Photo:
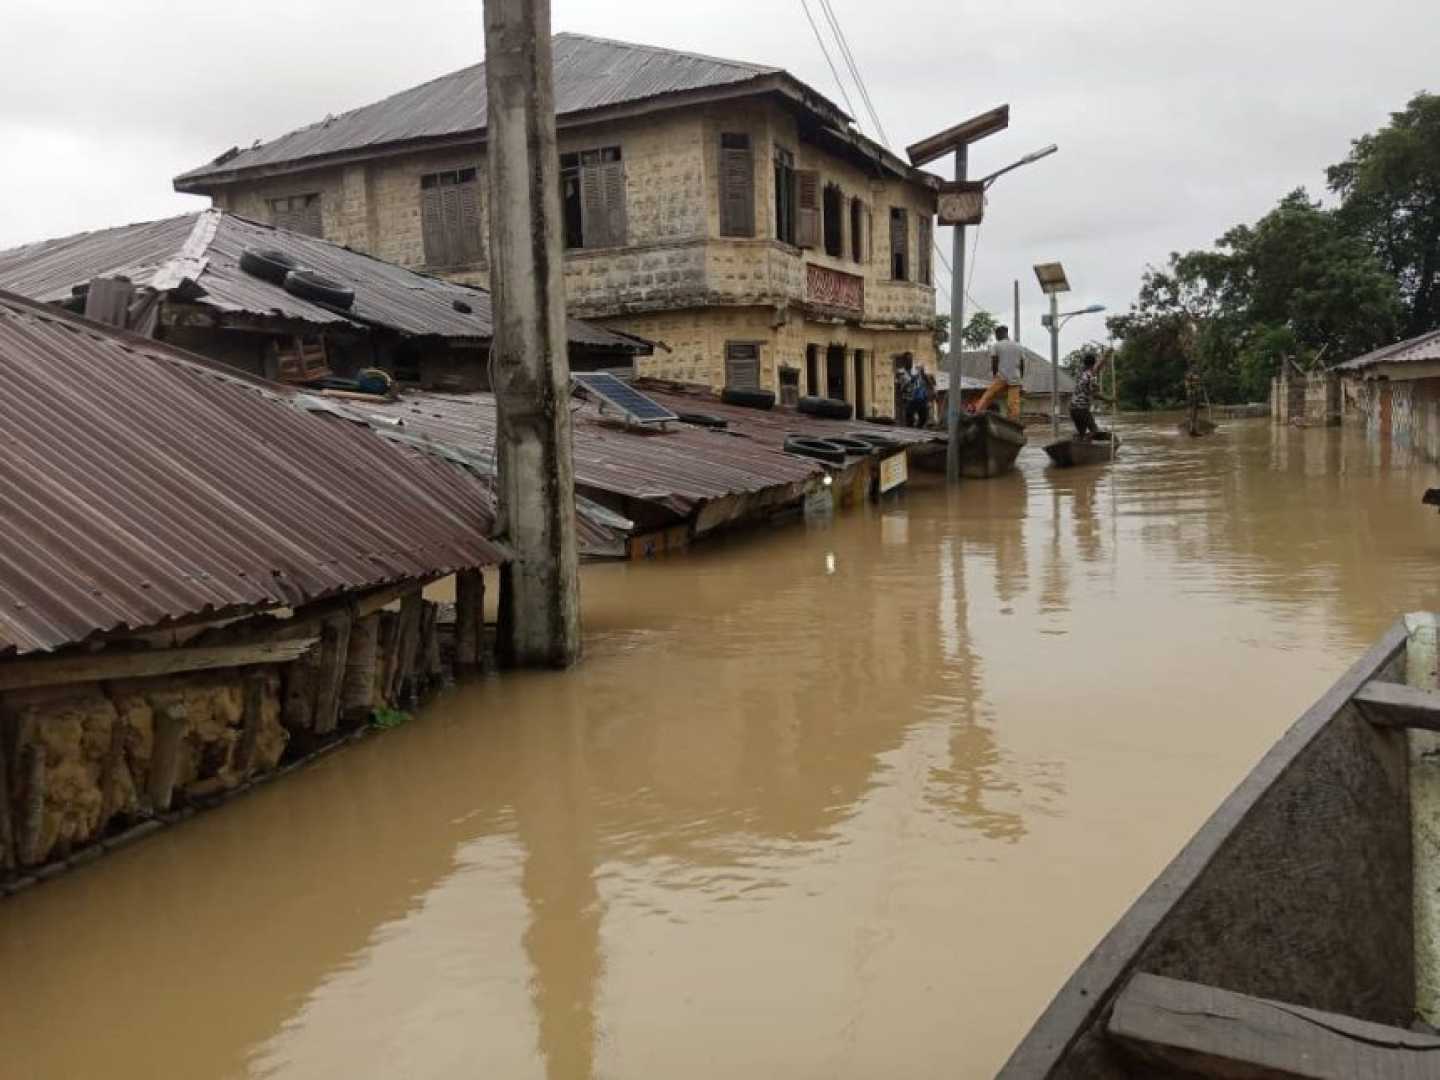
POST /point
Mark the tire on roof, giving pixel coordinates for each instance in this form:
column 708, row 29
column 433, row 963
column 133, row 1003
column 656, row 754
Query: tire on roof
column 828, row 408
column 750, row 399
column 267, row 264
column 309, row 285
column 819, row 449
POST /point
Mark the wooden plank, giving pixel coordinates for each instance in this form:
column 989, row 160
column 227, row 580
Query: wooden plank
column 165, row 754
column 96, row 667
column 1396, row 705
column 110, row 770
column 434, row 666
column 1207, row 1031
column 32, row 819
column 469, row 619
column 250, row 725
column 407, row 637
column 357, row 693
column 334, row 647
column 7, row 826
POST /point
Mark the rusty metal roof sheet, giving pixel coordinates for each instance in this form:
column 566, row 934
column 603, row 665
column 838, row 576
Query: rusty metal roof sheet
column 139, row 485
column 590, row 73
column 1412, row 350
column 679, row 470
column 204, row 248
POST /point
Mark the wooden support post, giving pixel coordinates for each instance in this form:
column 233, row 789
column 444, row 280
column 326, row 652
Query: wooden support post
column 434, row 666
column 250, row 725
column 412, row 607
column 1194, row 1030
column 357, row 694
column 7, row 825
column 469, row 619
column 536, row 473
column 165, row 754
column 32, row 821
column 110, row 771
column 334, row 645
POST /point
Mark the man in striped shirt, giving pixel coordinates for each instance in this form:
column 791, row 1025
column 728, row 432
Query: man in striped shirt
column 1087, row 386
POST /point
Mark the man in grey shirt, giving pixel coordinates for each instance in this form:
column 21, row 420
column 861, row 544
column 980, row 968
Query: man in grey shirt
column 1007, row 367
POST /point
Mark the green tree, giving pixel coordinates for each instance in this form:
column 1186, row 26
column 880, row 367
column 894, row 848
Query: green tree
column 979, row 330
column 942, row 332
column 1390, row 197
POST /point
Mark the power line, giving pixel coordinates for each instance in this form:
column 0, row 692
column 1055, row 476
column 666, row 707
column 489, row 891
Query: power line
column 849, row 58
column 826, row 52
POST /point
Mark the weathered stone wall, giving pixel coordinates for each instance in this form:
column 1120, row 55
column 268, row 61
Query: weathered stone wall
column 691, row 348
column 1401, row 415
column 675, row 257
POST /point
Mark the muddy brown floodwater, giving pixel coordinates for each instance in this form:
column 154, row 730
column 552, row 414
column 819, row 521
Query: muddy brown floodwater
column 844, row 801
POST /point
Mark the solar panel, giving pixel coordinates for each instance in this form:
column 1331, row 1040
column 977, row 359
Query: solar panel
column 622, row 397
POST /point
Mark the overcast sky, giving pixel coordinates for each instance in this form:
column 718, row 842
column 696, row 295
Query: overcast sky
column 1175, row 120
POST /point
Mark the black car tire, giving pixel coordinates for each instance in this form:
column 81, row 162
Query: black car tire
column 750, row 399
column 309, row 285
column 828, row 408
column 268, row 265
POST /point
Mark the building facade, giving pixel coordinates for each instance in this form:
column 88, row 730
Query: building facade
column 1394, row 393
column 724, row 211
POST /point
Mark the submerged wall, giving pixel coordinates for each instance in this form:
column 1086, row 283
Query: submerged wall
column 1402, row 414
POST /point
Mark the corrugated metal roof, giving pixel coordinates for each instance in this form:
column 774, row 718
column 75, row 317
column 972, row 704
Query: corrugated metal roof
column 976, row 364
column 590, row 73
column 139, row 484
column 1410, row 351
column 206, row 248
column 679, row 470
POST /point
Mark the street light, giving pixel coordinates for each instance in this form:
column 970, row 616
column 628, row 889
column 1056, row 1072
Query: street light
column 1053, row 282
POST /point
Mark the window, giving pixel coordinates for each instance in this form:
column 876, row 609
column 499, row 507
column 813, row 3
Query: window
column 899, row 244
column 857, row 230
column 832, row 202
column 742, row 365
column 812, row 370
column 807, row 213
column 789, row 385
column 450, row 218
column 924, row 251
column 298, row 213
column 592, row 189
column 737, row 186
column 784, row 196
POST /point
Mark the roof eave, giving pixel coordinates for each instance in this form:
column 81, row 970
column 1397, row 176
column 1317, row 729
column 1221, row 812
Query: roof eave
column 776, row 82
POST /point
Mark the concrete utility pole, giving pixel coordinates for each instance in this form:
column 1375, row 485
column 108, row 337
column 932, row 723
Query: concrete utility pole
column 540, row 592
column 957, row 327
column 1055, row 365
column 1015, row 325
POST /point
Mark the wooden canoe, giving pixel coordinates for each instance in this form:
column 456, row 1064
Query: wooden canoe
column 989, row 445
column 1280, row 941
column 1068, row 453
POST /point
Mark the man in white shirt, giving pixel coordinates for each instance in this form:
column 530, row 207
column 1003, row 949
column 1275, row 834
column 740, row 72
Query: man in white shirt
column 1007, row 367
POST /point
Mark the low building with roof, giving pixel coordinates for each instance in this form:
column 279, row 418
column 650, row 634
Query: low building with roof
column 194, row 288
column 722, row 209
column 1394, row 392
column 196, row 571
column 1035, row 395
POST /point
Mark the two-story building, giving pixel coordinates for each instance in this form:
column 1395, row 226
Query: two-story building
column 723, row 210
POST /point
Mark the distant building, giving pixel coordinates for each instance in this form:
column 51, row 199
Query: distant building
column 1035, row 396
column 723, row 210
column 1395, row 393
column 423, row 329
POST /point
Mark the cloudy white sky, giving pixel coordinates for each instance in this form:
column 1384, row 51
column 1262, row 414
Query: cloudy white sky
column 1175, row 120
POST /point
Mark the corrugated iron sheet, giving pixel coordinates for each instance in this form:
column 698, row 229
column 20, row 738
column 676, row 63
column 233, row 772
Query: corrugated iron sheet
column 679, row 470
column 590, row 73
column 140, row 485
column 1410, row 351
column 151, row 254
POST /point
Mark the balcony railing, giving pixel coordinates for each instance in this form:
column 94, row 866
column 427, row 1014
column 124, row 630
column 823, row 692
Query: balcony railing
column 833, row 289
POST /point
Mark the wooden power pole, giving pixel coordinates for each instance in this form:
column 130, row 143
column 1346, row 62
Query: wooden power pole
column 539, row 622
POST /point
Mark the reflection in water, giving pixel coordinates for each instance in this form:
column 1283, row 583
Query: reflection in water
column 843, row 801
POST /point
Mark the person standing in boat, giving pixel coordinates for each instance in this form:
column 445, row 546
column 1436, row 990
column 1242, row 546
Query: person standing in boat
column 1087, row 386
column 917, row 399
column 1007, row 371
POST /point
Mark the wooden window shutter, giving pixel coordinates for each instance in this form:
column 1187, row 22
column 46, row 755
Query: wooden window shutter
column 614, row 181
column 925, row 250
column 899, row 245
column 807, row 218
column 469, row 246
column 432, row 222
column 742, row 365
column 595, row 222
column 737, row 192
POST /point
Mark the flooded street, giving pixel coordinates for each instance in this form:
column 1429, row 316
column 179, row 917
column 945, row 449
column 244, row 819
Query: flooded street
column 823, row 801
